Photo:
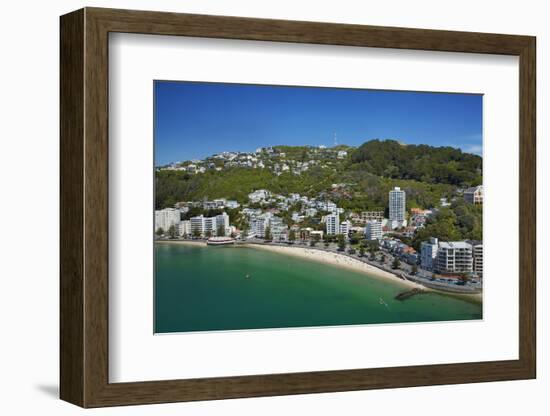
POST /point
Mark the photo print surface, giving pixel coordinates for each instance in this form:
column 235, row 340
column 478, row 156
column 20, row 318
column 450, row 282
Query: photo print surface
column 289, row 206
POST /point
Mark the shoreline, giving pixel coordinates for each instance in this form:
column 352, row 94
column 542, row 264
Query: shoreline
column 201, row 243
column 338, row 260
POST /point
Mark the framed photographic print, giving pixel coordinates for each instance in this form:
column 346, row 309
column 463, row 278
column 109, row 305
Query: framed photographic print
column 260, row 207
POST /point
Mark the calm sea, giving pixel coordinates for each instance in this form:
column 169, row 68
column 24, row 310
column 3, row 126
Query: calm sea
column 227, row 288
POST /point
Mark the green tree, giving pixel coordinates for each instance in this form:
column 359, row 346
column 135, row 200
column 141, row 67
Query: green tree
column 292, row 236
column 172, row 231
column 220, row 232
column 208, row 234
column 396, row 264
column 354, row 238
column 361, row 251
column 341, row 242
column 160, row 231
column 196, row 233
column 414, row 269
column 267, row 234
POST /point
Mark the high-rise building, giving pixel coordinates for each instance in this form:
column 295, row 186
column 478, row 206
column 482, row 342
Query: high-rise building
column 397, row 202
column 454, row 257
column 373, row 230
column 428, row 253
column 167, row 217
column 332, row 224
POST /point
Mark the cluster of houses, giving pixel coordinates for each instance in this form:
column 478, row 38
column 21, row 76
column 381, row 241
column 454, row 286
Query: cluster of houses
column 262, row 216
column 263, row 158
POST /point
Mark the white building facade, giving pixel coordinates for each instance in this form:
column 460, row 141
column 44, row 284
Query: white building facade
column 373, row 230
column 209, row 226
column 397, row 203
column 332, row 224
column 345, row 227
column 428, row 254
column 454, row 257
column 257, row 227
column 477, row 250
column 184, row 228
column 167, row 217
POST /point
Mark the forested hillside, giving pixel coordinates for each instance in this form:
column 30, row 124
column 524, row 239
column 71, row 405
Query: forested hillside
column 423, row 163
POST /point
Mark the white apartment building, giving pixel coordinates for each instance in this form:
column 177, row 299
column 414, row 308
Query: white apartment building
column 257, row 227
column 167, row 217
column 373, row 230
column 332, row 224
column 345, row 227
column 197, row 225
column 184, row 228
column 397, row 202
column 477, row 250
column 474, row 195
column 428, row 253
column 454, row 257
column 222, row 221
column 278, row 229
column 209, row 225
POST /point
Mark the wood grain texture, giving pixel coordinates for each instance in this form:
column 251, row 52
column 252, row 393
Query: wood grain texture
column 84, row 207
column 71, row 208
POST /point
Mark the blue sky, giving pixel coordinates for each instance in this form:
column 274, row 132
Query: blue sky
column 194, row 120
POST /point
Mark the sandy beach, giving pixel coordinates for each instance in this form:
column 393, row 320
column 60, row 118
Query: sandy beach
column 339, row 260
column 184, row 242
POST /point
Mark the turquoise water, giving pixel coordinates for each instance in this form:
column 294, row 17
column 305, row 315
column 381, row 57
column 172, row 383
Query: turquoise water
column 206, row 288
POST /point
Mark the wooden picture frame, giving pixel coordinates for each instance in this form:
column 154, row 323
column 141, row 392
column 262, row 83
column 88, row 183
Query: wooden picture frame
column 84, row 207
